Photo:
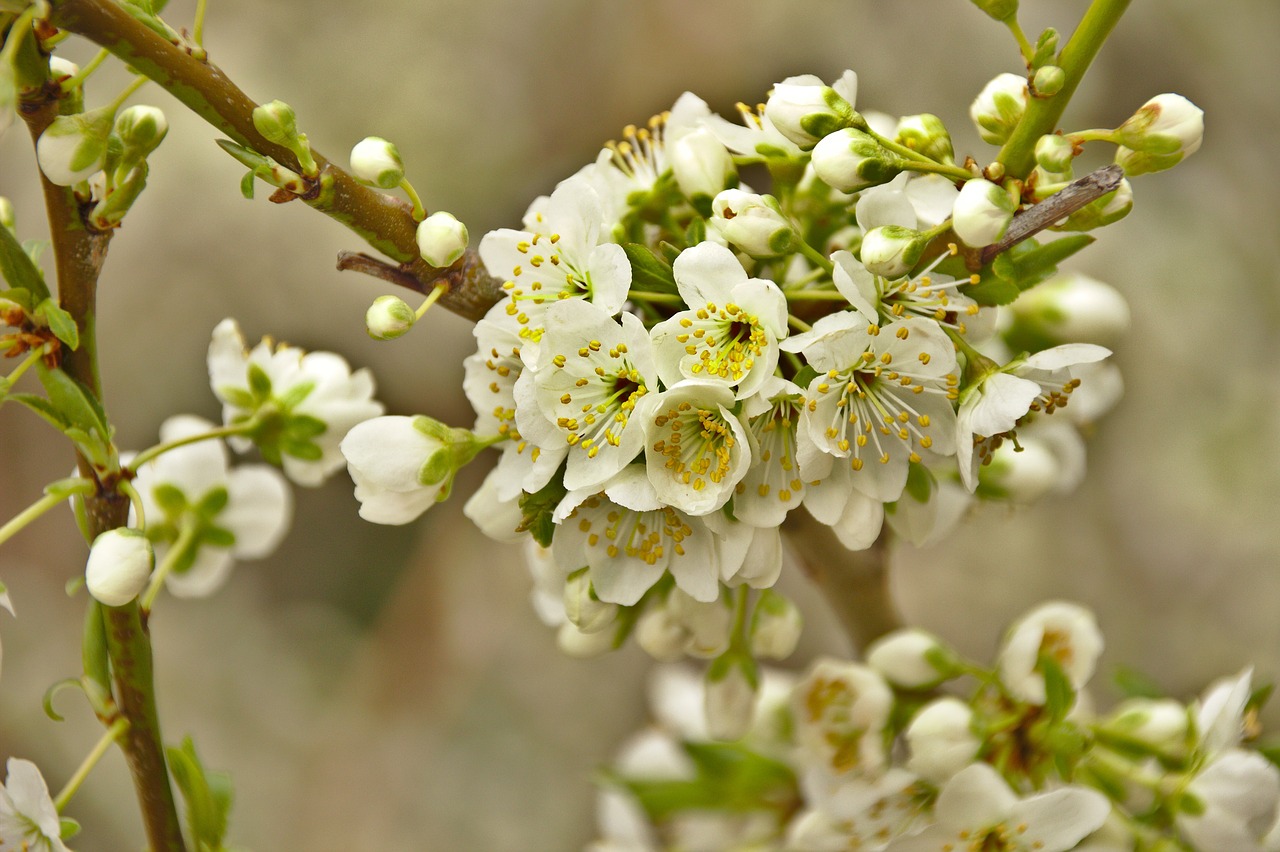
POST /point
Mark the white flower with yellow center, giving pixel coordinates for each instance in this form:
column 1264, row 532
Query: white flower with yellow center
column 772, row 486
column 695, row 447
column 1064, row 632
column 731, row 331
column 1000, row 402
column 629, row 538
column 590, row 374
column 841, row 710
column 926, row 296
column 565, row 254
column 631, row 167
column 882, row 397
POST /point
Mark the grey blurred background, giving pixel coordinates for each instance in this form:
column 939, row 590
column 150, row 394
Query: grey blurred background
column 378, row 688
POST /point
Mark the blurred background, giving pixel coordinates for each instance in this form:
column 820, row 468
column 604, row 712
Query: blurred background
column 390, row 688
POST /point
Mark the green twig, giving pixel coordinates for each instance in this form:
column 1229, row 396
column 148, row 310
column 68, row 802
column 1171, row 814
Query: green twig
column 111, row 735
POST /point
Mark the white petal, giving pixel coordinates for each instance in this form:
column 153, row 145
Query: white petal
column 859, row 525
column 707, row 273
column 206, row 575
column 1000, row 400
column 1058, row 820
column 1066, row 355
column 258, row 511
column 976, row 797
column 388, row 451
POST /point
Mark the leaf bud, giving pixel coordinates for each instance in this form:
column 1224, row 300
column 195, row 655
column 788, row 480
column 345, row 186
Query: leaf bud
column 119, row 566
column 892, row 251
column 804, row 109
column 72, row 147
column 1048, row 80
column 730, row 696
column 388, row 318
column 775, row 626
column 702, row 166
column 912, row 659
column 926, row 134
column 442, row 239
column 581, row 606
column 999, row 107
column 277, row 123
column 941, row 740
column 851, row 159
column 1054, row 153
column 753, row 223
column 982, row 213
column 376, row 162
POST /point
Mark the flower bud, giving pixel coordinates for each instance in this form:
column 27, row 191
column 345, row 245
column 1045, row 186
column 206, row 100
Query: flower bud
column 804, row 109
column 581, row 606
column 277, row 123
column 661, row 634
column 1054, row 153
column 1074, row 308
column 141, row 129
column 442, row 239
column 119, row 566
column 982, row 213
column 702, row 166
column 941, row 740
column 1167, row 125
column 573, row 642
column 850, row 160
column 376, row 162
column 753, row 223
column 707, row 625
column 1163, row 724
column 912, row 659
column 998, row 10
column 775, row 626
column 1112, row 207
column 1020, row 474
column 7, row 218
column 999, row 107
column 73, row 146
column 1048, row 80
column 388, row 318
column 927, row 134
column 60, row 69
column 892, row 251
column 730, row 696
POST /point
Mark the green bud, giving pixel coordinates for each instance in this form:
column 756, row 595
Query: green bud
column 926, row 134
column 1110, row 208
column 999, row 10
column 388, row 318
column 277, row 123
column 110, row 212
column 1054, row 153
column 7, row 217
column 999, row 107
column 892, row 251
column 1048, row 80
column 141, row 130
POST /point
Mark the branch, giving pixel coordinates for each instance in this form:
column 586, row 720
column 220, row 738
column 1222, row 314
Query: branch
column 383, row 222
column 855, row 583
column 1074, row 196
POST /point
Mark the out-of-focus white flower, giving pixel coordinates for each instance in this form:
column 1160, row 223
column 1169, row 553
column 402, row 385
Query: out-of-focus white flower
column 1074, row 308
column 28, row 818
column 303, row 402
column 755, row 137
column 1219, row 714
column 976, row 804
column 226, row 513
column 805, row 109
column 442, row 239
column 1232, row 803
column 119, row 566
column 1162, row 724
column 911, row 658
column 999, row 107
column 775, row 626
column 982, row 212
column 941, row 740
column 841, row 710
column 859, row 813
column 752, row 223
column 584, row 610
column 1063, row 631
column 731, row 687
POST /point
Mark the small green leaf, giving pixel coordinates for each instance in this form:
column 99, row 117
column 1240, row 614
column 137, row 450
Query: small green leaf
column 207, row 795
column 213, row 502
column 259, row 382
column 247, row 184
column 538, row 508
column 304, row 427
column 42, row 407
column 18, row 269
column 648, row 271
column 60, row 323
column 93, row 646
column 67, row 827
column 19, row 297
column 74, row 400
column 305, row 450
column 1059, row 696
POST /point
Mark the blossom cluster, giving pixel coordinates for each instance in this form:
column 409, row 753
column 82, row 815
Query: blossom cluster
column 891, row 754
column 678, row 361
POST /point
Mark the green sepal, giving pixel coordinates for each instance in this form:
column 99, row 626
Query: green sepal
column 805, row 376
column 238, row 397
column 247, row 184
column 538, row 508
column 697, row 230
column 19, row 270
column 296, row 394
column 919, row 482
column 213, row 502
column 60, row 322
column 1058, row 694
column 170, row 498
column 301, row 449
column 1046, row 47
column 649, row 272
column 730, row 778
column 208, row 796
column 93, row 646
column 304, row 427
column 215, row 536
column 1259, row 697
column 67, row 827
column 259, row 382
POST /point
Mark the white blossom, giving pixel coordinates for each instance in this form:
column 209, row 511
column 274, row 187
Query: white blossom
column 841, row 710
column 941, row 740
column 772, row 486
column 402, row 466
column 911, row 658
column 28, row 818
column 753, row 223
column 1237, row 798
column 805, row 109
column 1065, row 632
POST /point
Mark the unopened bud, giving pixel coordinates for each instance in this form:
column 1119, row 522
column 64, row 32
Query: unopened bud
column 1112, row 207
column 753, row 223
column 72, row 146
column 119, row 566
column 941, row 740
column 1163, row 724
column 60, row 69
column 927, row 134
column 388, row 318
column 775, row 626
column 912, row 659
column 999, row 10
column 805, row 109
column 141, row 129
column 7, row 217
column 730, row 696
column 1048, row 80
column 892, row 251
column 1021, row 474
column 442, row 239
column 277, row 123
column 1055, row 153
column 708, row 625
column 850, row 160
column 1165, row 126
column 999, row 107
column 376, row 162
column 982, row 213
column 1074, row 308
column 581, row 606
column 661, row 634
column 702, row 166
column 574, row 643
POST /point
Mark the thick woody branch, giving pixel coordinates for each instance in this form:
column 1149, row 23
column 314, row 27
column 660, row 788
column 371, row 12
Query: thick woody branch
column 383, row 222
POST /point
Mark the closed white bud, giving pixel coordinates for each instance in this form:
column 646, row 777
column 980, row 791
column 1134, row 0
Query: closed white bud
column 999, row 107
column 1054, row 153
column 376, row 162
column 60, row 69
column 574, row 643
column 752, row 223
column 1112, row 207
column 775, row 626
column 442, row 239
column 926, row 134
column 119, row 566
column 941, row 740
column 982, row 213
column 730, row 696
column 912, row 659
column 1074, row 308
column 702, row 165
column 1165, row 125
column 388, row 318
column 581, row 606
column 661, row 634
column 707, row 625
column 891, row 251
column 850, row 160
column 1163, row 724
column 73, row 146
column 805, row 109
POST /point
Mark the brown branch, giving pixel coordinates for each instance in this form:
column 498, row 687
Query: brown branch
column 1074, row 196
column 382, row 221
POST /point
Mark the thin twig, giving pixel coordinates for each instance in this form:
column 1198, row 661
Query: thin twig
column 1074, row 196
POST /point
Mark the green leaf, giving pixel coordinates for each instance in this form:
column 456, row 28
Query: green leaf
column 538, row 507
column 1059, row 696
column 74, row 400
column 207, row 794
column 19, row 297
column 67, row 827
column 60, row 323
column 305, row 450
column 247, row 184
column 1134, row 684
column 1018, row 269
column 93, row 646
column 648, row 271
column 18, row 269
column 42, row 407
